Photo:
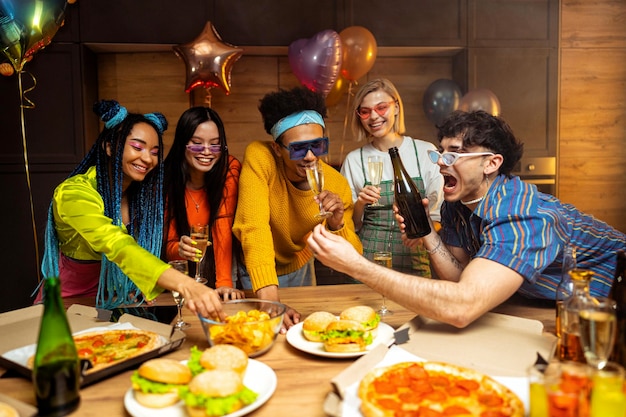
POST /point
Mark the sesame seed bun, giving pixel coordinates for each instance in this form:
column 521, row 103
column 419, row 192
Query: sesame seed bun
column 167, row 371
column 315, row 324
column 362, row 314
column 227, row 357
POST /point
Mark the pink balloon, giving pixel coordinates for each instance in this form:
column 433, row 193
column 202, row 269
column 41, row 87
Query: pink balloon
column 480, row 99
column 316, row 62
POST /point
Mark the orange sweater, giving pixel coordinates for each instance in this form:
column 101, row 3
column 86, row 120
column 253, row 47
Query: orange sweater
column 222, row 228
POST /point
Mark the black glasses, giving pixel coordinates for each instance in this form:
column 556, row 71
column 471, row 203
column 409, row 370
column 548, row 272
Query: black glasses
column 450, row 158
column 196, row 148
column 298, row 150
column 381, row 108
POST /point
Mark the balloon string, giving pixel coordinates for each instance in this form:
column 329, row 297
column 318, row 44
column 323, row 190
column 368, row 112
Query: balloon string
column 29, row 105
column 345, row 122
column 207, row 98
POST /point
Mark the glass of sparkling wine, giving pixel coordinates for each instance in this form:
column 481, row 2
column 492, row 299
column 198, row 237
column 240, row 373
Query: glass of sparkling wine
column 375, row 171
column 315, row 176
column 200, row 235
column 178, row 298
column 598, row 327
column 383, row 258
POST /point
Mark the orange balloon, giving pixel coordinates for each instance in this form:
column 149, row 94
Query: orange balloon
column 359, row 52
column 6, row 69
column 339, row 88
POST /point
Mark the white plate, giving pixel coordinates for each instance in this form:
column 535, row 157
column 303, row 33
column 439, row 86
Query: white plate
column 297, row 340
column 259, row 377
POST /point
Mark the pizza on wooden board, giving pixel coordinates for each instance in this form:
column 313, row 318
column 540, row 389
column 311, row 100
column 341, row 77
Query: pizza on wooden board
column 109, row 347
column 432, row 389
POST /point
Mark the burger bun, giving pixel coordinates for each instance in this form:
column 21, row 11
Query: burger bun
column 226, row 357
column 345, row 344
column 362, row 314
column 315, row 324
column 215, row 383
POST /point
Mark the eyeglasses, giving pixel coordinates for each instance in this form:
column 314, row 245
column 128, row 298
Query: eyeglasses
column 381, row 108
column 298, row 150
column 196, row 148
column 450, row 158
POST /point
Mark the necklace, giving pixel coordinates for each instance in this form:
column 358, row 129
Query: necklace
column 194, row 201
column 476, row 200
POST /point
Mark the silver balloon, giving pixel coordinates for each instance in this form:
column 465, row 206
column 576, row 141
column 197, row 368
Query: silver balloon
column 481, row 99
column 440, row 99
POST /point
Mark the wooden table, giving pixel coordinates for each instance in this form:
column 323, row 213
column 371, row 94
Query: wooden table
column 303, row 379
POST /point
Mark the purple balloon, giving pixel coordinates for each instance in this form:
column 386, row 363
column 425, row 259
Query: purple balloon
column 441, row 98
column 316, row 62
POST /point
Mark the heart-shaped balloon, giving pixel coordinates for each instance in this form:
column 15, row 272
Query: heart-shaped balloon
column 26, row 26
column 316, row 62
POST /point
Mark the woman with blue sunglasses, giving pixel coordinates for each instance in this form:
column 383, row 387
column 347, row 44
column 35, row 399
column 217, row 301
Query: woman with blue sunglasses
column 201, row 187
column 378, row 117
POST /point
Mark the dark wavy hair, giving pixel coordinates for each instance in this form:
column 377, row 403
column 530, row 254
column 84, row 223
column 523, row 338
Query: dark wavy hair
column 145, row 199
column 279, row 104
column 479, row 128
column 177, row 173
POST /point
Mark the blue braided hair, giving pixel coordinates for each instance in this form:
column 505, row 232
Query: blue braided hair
column 145, row 200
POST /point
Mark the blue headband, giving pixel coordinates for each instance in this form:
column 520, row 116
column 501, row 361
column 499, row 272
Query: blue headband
column 304, row 117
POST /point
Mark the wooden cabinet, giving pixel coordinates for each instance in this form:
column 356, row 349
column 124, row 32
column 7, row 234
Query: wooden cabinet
column 525, row 82
column 54, row 133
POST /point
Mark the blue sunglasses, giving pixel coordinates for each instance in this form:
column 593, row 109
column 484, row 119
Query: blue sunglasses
column 298, row 150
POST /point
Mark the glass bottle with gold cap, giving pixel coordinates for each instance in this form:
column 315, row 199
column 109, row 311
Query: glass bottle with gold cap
column 570, row 332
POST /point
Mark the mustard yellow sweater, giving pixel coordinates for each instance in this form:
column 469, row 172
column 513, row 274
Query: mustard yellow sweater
column 274, row 218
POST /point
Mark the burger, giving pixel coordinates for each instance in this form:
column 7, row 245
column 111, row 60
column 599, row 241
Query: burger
column 365, row 315
column 215, row 393
column 225, row 357
column 218, row 357
column 157, row 381
column 346, row 336
column 315, row 325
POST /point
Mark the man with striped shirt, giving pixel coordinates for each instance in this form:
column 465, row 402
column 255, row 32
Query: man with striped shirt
column 499, row 234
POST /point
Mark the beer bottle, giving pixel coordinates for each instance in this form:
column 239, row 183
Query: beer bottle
column 408, row 199
column 56, row 371
column 564, row 291
column 618, row 293
column 570, row 333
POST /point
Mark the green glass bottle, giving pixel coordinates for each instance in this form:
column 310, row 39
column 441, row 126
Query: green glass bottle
column 408, row 199
column 56, row 371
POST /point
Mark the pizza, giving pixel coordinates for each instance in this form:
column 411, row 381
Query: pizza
column 430, row 389
column 109, row 347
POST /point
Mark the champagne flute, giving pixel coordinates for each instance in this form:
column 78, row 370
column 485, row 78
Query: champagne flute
column 200, row 235
column 375, row 171
column 178, row 297
column 315, row 176
column 383, row 258
column 598, row 327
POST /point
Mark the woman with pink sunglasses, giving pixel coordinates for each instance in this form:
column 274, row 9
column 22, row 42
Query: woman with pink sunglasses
column 378, row 117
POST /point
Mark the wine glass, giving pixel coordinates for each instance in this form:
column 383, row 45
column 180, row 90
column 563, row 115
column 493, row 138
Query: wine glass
column 598, row 327
column 200, row 235
column 383, row 258
column 315, row 176
column 375, row 171
column 178, row 297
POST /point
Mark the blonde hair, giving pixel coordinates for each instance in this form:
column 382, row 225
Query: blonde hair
column 374, row 85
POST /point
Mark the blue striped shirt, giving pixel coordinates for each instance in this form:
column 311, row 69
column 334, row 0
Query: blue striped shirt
column 519, row 227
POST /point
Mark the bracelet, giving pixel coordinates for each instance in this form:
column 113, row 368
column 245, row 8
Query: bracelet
column 435, row 249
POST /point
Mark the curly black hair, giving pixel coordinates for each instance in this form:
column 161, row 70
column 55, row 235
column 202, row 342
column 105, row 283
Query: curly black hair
column 480, row 128
column 279, row 104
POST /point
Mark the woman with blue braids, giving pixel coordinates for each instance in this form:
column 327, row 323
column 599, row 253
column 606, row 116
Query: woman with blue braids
column 105, row 222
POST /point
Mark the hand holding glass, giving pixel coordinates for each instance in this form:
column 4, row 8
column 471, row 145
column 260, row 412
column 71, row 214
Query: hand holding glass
column 315, row 176
column 178, row 298
column 375, row 171
column 200, row 235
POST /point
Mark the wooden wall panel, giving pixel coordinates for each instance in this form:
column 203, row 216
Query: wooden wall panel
column 154, row 81
column 592, row 114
